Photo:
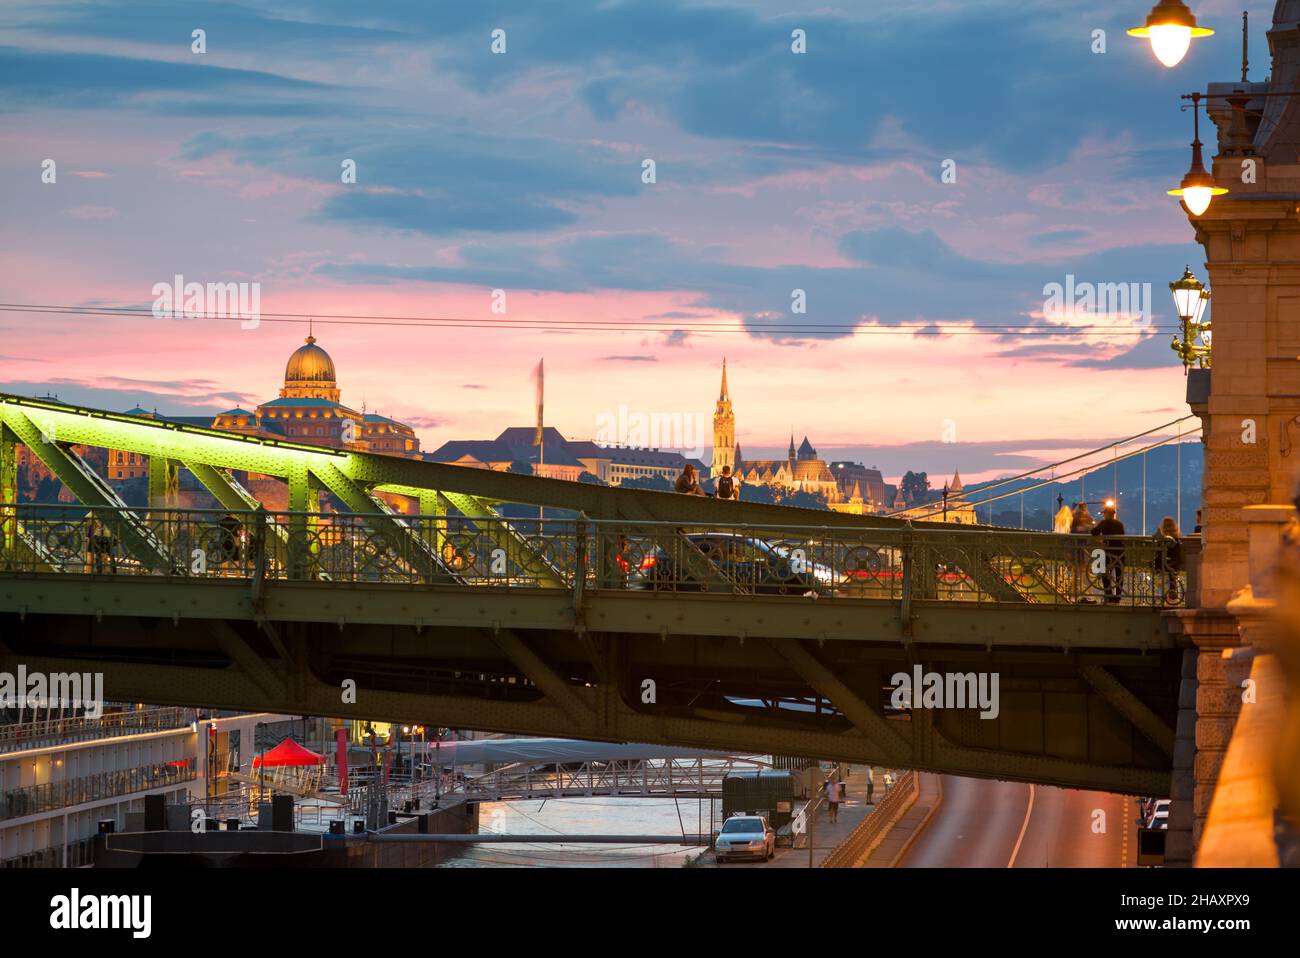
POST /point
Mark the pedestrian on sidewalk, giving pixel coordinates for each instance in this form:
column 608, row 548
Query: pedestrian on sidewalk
column 833, row 799
column 871, row 785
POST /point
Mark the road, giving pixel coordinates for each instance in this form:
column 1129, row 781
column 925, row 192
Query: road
column 989, row 824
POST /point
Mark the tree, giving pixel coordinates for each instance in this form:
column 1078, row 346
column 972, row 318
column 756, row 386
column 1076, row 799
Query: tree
column 590, row 479
column 915, row 487
column 656, row 483
column 803, row 500
column 521, row 467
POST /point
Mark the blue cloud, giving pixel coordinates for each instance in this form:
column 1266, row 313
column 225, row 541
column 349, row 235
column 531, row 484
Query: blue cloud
column 31, row 79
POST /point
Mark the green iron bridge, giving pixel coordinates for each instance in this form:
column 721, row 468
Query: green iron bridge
column 477, row 599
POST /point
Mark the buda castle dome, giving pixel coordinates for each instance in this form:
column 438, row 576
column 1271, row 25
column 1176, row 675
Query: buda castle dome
column 310, row 363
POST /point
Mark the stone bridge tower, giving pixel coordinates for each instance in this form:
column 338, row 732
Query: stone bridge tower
column 1249, row 401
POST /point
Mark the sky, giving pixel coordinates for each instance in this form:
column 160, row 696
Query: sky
column 524, row 172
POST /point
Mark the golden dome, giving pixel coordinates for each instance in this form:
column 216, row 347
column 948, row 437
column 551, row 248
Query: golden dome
column 310, row 363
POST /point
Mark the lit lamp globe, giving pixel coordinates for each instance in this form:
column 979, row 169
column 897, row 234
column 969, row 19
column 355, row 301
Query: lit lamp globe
column 1198, row 187
column 1170, row 27
column 1190, row 297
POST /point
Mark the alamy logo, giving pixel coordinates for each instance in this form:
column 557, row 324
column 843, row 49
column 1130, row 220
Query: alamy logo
column 83, row 690
column 74, row 911
column 684, row 431
column 181, row 300
column 946, row 690
column 1125, row 301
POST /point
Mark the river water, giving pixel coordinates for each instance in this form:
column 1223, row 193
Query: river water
column 605, row 816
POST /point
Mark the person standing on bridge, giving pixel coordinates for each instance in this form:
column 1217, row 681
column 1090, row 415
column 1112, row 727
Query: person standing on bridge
column 1169, row 560
column 1109, row 530
column 726, row 486
column 1081, row 525
column 688, row 483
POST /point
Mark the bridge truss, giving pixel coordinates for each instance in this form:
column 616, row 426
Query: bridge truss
column 434, row 593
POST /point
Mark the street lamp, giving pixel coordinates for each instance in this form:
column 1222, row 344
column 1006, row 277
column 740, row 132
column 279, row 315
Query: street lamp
column 1190, row 299
column 1170, row 27
column 1198, row 187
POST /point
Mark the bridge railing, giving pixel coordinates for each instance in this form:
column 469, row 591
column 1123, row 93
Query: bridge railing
column 899, row 564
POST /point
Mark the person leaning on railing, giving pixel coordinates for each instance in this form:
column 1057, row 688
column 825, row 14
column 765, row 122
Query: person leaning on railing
column 1169, row 560
column 101, row 544
column 1111, row 531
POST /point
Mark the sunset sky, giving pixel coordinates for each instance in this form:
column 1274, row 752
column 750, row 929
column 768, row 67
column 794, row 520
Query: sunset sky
column 522, row 171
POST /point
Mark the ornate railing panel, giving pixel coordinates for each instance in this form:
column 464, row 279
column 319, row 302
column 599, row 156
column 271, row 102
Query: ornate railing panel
column 915, row 563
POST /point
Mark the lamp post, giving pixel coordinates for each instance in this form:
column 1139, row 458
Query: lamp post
column 1190, row 299
column 1171, row 27
column 1198, row 187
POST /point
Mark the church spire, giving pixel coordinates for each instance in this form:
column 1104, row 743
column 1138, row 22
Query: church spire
column 724, row 429
column 790, row 454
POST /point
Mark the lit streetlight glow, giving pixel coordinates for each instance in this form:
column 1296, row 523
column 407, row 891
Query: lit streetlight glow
column 1170, row 27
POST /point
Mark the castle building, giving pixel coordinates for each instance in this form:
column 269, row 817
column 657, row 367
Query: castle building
column 561, row 458
column 800, row 471
column 309, row 409
column 846, row 486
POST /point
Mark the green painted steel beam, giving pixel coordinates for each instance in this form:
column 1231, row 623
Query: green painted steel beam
column 164, row 482
column 1130, row 706
column 864, row 718
column 555, row 687
column 630, row 612
column 8, row 487
column 223, row 486
column 91, row 489
column 411, row 549
column 504, row 536
column 276, row 457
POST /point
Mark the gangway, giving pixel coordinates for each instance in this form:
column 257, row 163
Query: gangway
column 637, row 778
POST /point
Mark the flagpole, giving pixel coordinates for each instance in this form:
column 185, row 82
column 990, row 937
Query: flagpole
column 541, row 438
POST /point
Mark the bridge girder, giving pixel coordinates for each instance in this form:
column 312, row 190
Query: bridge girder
column 1053, row 729
column 381, row 473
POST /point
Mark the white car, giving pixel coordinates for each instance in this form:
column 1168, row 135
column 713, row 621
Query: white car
column 745, row 836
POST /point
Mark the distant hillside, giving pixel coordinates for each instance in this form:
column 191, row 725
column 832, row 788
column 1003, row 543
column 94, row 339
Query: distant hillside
column 1122, row 482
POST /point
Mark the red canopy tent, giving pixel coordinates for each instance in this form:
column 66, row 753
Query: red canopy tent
column 288, row 752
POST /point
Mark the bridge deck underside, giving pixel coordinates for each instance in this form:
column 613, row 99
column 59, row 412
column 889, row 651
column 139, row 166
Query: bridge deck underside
column 749, row 675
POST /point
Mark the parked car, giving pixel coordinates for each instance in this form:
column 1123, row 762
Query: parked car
column 745, row 836
column 754, row 565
